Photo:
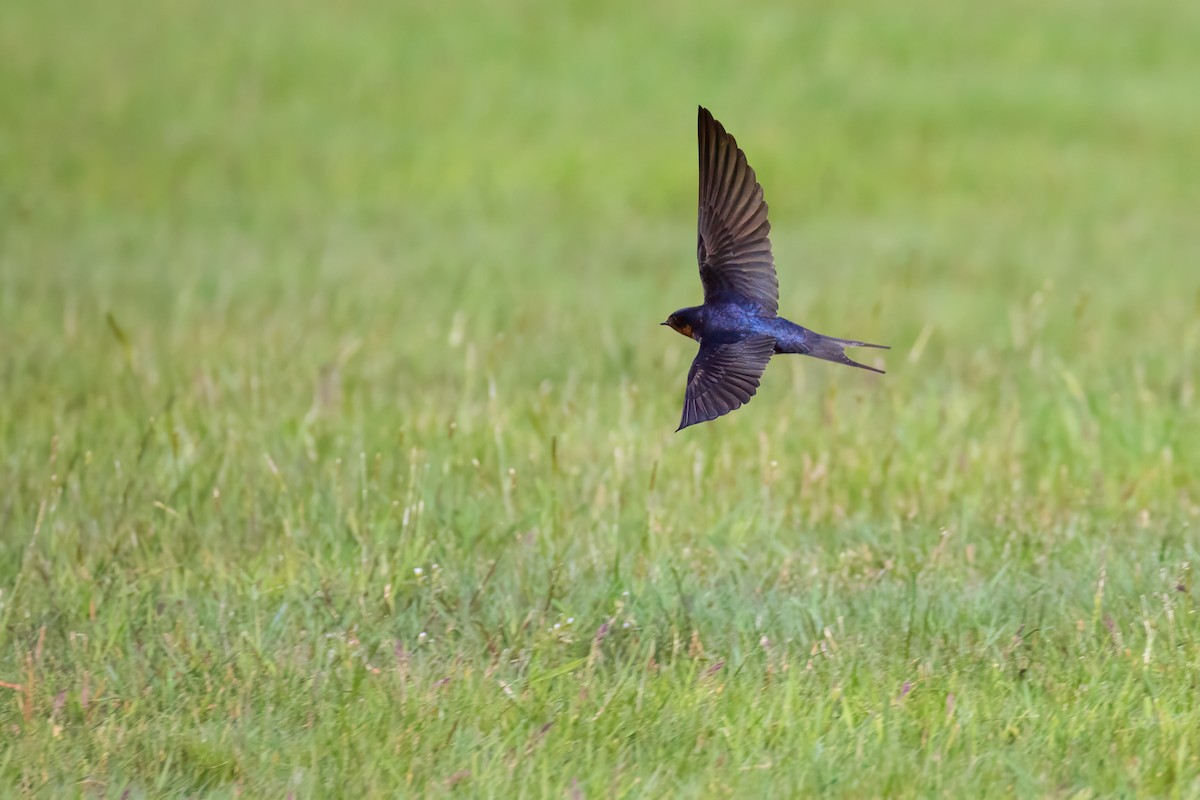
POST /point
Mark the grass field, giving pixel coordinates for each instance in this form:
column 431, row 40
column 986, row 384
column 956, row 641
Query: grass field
column 336, row 424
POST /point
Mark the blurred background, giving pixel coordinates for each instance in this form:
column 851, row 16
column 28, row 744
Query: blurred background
column 1008, row 180
column 413, row 201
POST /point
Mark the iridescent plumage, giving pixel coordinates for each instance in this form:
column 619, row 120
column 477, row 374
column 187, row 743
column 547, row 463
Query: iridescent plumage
column 738, row 326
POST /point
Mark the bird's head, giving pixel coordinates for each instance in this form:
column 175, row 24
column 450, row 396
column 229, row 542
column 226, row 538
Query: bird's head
column 684, row 322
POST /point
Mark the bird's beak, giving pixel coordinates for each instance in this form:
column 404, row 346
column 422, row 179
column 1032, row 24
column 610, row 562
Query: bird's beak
column 662, row 323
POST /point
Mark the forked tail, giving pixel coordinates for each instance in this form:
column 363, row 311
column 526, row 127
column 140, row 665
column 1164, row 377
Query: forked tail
column 834, row 349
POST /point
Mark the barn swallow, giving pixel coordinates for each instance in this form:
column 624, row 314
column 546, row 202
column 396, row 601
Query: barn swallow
column 738, row 326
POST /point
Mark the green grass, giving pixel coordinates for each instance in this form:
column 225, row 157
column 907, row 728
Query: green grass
column 336, row 425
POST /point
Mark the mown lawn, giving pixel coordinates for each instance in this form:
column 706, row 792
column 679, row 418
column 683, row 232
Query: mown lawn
column 336, row 424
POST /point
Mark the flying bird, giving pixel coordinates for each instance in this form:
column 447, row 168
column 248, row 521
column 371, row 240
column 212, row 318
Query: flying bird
column 738, row 326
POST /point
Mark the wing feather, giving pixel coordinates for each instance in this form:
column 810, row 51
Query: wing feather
column 733, row 233
column 724, row 376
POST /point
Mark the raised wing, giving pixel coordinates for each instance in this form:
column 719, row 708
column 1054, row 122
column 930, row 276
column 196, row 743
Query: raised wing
column 724, row 376
column 733, row 248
